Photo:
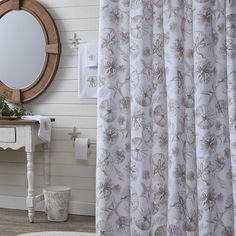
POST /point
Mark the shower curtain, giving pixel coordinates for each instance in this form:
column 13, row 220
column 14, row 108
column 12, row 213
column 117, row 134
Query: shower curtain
column 166, row 161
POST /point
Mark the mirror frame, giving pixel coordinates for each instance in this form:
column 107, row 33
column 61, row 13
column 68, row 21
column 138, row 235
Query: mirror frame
column 52, row 51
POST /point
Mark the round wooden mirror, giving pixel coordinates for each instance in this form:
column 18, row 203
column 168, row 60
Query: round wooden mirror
column 30, row 51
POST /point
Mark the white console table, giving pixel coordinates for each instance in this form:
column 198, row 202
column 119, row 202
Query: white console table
column 15, row 134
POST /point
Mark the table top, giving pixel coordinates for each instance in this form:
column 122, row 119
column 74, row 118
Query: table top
column 21, row 122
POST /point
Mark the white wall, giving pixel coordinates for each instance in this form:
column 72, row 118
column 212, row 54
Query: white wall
column 61, row 102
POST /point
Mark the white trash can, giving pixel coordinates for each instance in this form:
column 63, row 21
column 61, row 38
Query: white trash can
column 57, row 202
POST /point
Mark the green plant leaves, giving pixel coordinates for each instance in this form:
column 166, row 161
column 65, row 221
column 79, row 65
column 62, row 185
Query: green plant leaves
column 6, row 110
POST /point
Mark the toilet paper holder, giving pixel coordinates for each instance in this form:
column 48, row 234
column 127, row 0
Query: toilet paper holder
column 74, row 135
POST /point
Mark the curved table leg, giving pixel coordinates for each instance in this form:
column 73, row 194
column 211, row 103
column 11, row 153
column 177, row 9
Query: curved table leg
column 30, row 176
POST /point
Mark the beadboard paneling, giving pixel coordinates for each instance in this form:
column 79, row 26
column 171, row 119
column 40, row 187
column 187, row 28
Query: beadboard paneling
column 62, row 102
column 77, row 24
column 77, row 12
column 56, row 169
column 66, row 73
column 61, row 134
column 85, row 35
column 20, row 180
column 68, row 61
column 84, row 196
column 83, row 110
column 63, row 97
column 55, row 158
column 68, row 3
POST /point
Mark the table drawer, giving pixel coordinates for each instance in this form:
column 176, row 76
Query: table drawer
column 7, row 135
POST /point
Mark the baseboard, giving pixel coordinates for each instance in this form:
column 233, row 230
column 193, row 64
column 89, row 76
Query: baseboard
column 19, row 203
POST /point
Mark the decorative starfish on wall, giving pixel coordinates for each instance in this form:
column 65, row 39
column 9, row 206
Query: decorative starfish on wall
column 74, row 134
column 74, row 43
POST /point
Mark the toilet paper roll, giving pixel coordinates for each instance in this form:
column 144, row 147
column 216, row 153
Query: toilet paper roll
column 81, row 148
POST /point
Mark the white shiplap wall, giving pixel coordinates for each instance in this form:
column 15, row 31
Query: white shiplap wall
column 61, row 101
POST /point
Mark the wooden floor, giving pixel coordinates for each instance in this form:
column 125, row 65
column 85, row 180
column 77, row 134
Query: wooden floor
column 14, row 222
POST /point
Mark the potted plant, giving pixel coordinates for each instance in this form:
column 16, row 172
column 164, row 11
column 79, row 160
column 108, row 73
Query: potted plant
column 8, row 112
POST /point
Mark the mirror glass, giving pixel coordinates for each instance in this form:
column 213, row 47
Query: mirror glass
column 22, row 49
